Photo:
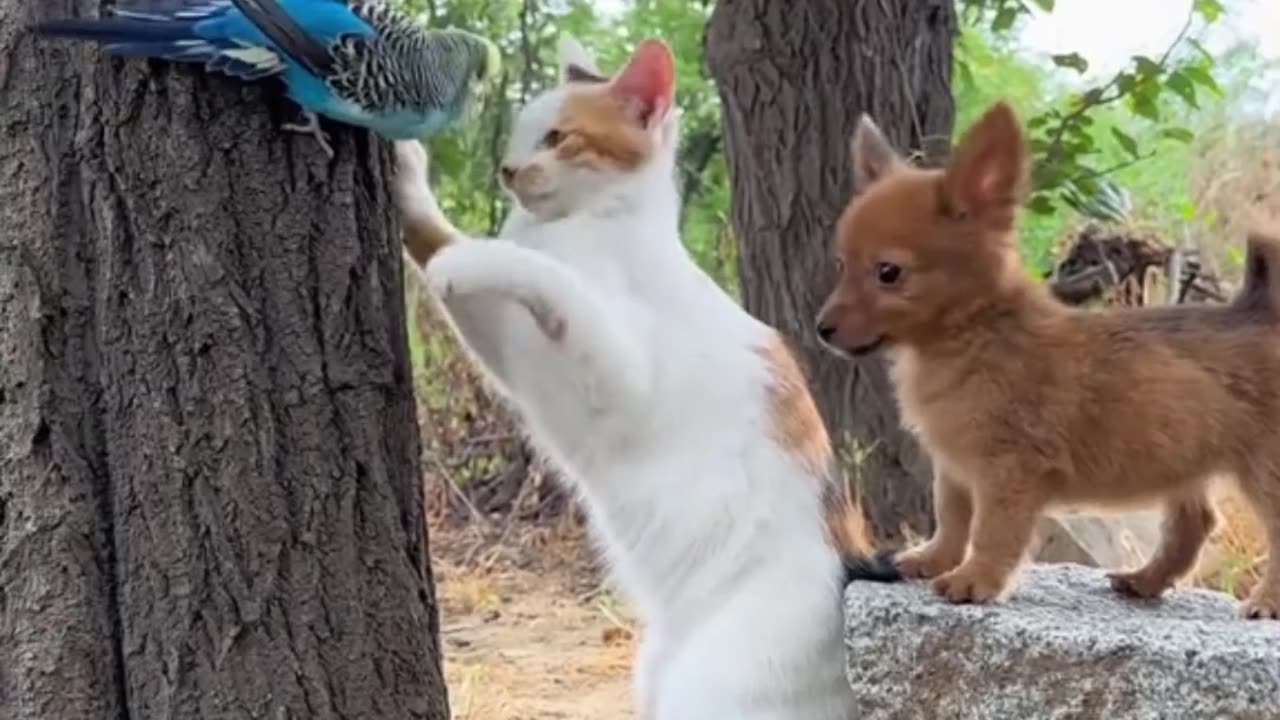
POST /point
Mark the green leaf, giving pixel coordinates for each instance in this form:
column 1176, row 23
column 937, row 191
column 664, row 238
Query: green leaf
column 1045, row 5
column 1004, row 19
column 1146, row 66
column 1180, row 134
column 1203, row 78
column 1071, row 60
column 1145, row 106
column 1039, row 121
column 1179, row 83
column 965, row 73
column 1041, row 205
column 1126, row 141
column 1187, row 210
column 1204, row 52
column 1210, row 10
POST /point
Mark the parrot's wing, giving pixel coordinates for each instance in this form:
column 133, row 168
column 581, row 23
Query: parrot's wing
column 196, row 31
column 306, row 41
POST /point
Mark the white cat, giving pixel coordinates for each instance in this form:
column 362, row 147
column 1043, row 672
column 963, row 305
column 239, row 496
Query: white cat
column 683, row 423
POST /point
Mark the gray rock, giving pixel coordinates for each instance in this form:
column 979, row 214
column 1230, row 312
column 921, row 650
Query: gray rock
column 1108, row 541
column 1063, row 646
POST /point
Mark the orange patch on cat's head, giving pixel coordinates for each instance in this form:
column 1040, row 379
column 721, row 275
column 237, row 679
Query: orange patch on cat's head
column 612, row 123
column 593, row 128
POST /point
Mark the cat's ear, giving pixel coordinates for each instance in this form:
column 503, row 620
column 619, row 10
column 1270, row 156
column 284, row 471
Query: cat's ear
column 576, row 64
column 648, row 83
column 873, row 157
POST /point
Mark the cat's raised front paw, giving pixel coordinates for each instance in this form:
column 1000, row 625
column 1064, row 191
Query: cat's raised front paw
column 412, row 193
column 450, row 272
column 473, row 268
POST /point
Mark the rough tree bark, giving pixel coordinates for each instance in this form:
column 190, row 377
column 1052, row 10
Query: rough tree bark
column 210, row 501
column 793, row 79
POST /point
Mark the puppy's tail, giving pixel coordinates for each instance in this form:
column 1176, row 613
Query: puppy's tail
column 1261, row 291
column 847, row 532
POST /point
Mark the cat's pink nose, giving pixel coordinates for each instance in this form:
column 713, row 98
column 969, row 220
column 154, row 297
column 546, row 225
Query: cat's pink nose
column 508, row 174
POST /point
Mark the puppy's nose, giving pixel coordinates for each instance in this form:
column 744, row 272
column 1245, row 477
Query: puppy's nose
column 507, row 173
column 826, row 331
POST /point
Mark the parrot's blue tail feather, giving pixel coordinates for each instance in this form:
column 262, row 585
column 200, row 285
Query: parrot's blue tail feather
column 178, row 37
column 122, row 30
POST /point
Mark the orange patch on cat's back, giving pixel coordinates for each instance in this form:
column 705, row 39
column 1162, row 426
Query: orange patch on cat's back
column 600, row 132
column 795, row 422
column 796, row 425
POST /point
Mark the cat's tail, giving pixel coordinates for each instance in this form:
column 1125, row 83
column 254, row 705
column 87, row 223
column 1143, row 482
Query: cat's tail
column 847, row 532
column 877, row 567
column 1261, row 291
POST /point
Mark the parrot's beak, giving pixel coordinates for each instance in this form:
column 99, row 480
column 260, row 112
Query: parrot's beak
column 493, row 62
column 492, row 70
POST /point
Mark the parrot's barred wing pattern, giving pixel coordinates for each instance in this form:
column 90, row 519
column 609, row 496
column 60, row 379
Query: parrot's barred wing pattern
column 406, row 66
column 362, row 62
column 292, row 39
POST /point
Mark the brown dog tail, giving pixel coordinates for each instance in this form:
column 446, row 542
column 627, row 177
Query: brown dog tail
column 1261, row 291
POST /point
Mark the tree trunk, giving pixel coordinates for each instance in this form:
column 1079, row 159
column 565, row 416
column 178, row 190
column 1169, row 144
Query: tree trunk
column 793, row 79
column 210, row 501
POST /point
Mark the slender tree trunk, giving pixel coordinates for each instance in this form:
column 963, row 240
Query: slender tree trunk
column 209, row 478
column 793, row 78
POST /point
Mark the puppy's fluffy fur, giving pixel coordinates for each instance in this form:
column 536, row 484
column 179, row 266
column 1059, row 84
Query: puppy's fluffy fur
column 1026, row 405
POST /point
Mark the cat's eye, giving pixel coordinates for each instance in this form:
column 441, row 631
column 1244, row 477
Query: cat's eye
column 552, row 138
column 888, row 274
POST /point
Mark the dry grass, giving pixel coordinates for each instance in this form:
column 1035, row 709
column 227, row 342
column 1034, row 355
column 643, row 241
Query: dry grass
column 1235, row 178
column 1235, row 181
column 1238, row 550
column 528, row 633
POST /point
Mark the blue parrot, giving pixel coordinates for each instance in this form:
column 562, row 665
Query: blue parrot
column 360, row 62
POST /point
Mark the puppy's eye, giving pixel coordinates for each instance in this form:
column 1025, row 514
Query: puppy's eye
column 552, row 138
column 888, row 274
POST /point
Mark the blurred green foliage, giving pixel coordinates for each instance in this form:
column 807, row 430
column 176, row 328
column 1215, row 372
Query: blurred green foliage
column 1115, row 149
column 1124, row 148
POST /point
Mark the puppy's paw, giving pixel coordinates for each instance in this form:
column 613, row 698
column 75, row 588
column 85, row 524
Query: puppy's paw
column 1141, row 583
column 1261, row 606
column 926, row 561
column 968, row 585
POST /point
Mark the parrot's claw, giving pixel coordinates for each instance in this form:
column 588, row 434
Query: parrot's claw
column 311, row 127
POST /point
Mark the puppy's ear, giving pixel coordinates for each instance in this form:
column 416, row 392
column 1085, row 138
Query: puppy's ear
column 987, row 174
column 873, row 157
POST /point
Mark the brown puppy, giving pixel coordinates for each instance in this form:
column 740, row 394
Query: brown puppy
column 1026, row 405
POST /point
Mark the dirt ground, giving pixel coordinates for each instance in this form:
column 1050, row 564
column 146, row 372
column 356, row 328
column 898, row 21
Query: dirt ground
column 529, row 634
